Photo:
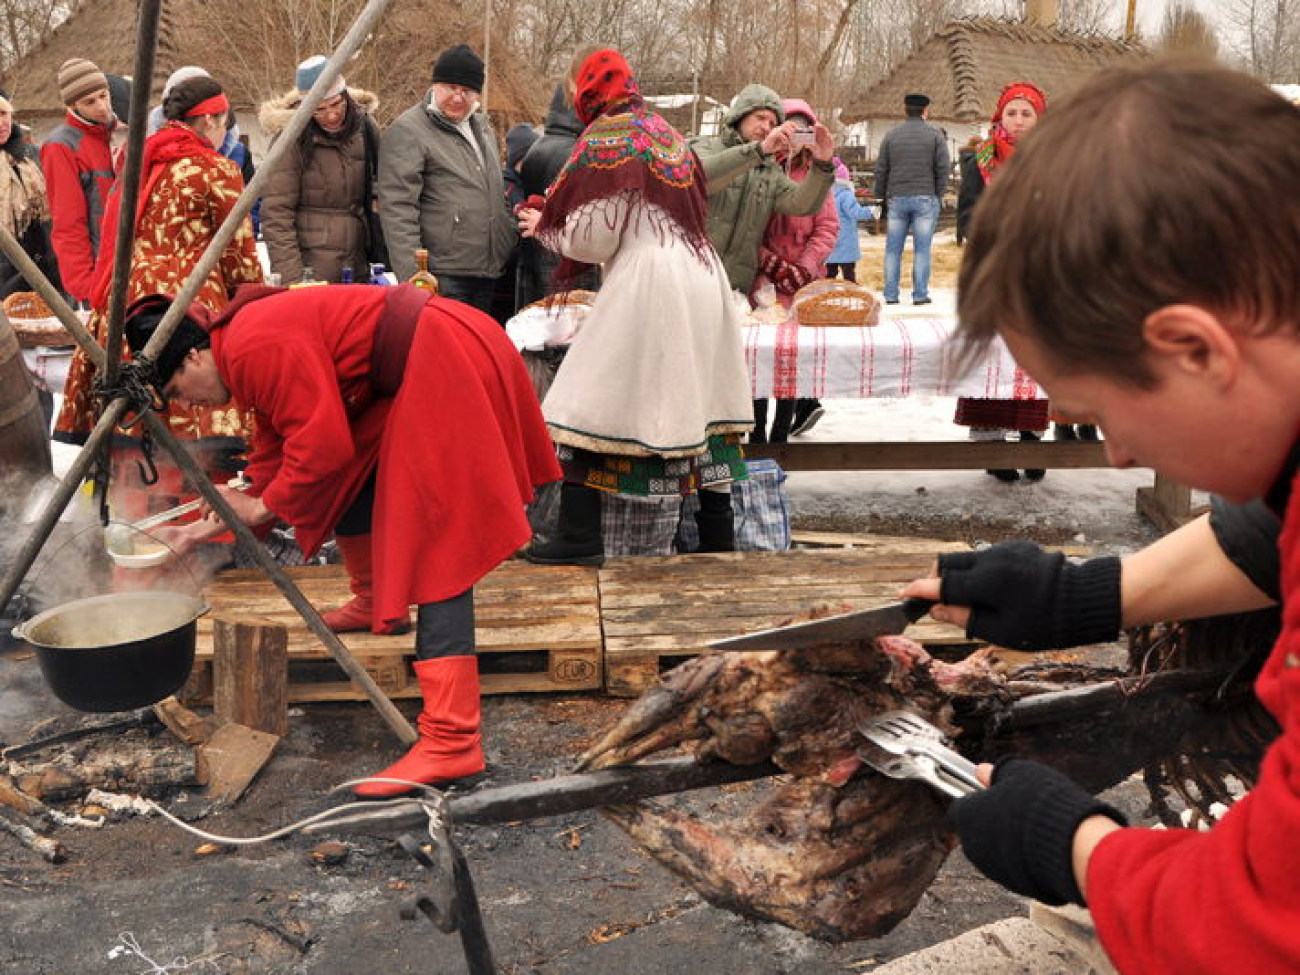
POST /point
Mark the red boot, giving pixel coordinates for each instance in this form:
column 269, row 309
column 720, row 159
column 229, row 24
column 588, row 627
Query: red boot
column 450, row 745
column 355, row 615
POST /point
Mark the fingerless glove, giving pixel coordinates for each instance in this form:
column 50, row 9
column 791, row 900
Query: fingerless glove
column 1025, row 598
column 1020, row 830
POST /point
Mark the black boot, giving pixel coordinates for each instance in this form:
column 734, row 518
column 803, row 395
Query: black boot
column 1032, row 473
column 759, row 433
column 1088, row 431
column 578, row 539
column 716, row 522
column 1064, row 431
column 782, row 421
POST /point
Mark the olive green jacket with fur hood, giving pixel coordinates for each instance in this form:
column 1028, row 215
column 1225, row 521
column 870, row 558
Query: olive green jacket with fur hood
column 434, row 192
column 745, row 188
column 312, row 211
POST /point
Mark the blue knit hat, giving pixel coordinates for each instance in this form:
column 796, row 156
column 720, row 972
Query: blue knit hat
column 310, row 70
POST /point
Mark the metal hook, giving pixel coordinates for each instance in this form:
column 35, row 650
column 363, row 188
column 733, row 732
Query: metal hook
column 148, row 469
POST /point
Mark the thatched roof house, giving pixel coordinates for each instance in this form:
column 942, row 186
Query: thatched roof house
column 237, row 42
column 964, row 65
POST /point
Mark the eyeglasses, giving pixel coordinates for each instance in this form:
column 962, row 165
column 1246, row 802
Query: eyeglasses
column 457, row 91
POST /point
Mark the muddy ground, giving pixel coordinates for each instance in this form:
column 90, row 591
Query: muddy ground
column 560, row 896
column 568, row 894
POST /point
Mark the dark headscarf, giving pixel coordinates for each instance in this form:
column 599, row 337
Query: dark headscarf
column 142, row 318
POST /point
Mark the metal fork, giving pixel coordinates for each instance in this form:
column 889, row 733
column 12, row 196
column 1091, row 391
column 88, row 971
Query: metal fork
column 919, row 753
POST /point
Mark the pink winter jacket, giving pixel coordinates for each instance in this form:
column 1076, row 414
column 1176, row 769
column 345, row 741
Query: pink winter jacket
column 806, row 241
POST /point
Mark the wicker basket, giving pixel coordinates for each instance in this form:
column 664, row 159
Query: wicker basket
column 831, row 303
column 26, row 304
column 575, row 297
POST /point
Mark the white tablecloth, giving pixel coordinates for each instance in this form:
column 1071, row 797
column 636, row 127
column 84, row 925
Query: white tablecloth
column 50, row 366
column 899, row 357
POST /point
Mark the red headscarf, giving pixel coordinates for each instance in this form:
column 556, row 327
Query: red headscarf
column 625, row 152
column 605, row 79
column 997, row 148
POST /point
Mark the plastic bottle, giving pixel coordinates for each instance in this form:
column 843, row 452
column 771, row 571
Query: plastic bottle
column 378, row 274
column 308, row 279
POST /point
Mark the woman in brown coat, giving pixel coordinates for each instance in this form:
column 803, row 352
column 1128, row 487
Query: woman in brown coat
column 314, row 213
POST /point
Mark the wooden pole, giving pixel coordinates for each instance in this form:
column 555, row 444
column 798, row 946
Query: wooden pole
column 250, row 674
column 1130, row 25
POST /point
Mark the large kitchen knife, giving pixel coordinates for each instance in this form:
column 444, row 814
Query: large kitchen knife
column 863, row 624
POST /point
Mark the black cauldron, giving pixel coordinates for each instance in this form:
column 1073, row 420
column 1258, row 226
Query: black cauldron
column 116, row 652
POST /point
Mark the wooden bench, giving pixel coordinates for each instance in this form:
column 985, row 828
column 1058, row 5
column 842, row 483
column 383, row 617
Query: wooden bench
column 1167, row 504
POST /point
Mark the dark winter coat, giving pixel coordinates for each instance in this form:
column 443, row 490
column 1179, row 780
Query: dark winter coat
column 543, row 162
column 913, row 161
column 436, row 192
column 548, row 154
column 313, row 211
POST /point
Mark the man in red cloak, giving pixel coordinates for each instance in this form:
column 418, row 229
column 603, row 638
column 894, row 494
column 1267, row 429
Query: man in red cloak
column 406, row 424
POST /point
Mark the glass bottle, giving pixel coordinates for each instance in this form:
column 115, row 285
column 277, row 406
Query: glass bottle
column 378, row 274
column 308, row 279
column 423, row 278
column 345, row 276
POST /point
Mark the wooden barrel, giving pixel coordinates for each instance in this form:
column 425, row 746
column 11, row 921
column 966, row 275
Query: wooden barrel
column 24, row 439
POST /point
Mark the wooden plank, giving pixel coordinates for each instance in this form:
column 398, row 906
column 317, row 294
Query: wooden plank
column 231, row 759
column 250, row 674
column 931, row 455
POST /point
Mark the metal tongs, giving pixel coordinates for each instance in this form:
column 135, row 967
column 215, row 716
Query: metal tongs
column 917, row 751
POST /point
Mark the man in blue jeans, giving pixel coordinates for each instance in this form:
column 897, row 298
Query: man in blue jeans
column 911, row 173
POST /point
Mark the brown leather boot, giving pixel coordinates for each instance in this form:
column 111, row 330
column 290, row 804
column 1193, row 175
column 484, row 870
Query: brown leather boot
column 450, row 744
column 354, row 616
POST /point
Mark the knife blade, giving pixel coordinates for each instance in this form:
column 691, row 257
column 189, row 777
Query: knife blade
column 862, row 624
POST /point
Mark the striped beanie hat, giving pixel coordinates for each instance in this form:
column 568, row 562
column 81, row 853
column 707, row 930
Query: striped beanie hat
column 78, row 78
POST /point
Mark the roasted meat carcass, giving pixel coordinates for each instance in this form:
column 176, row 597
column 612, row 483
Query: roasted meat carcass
column 834, row 850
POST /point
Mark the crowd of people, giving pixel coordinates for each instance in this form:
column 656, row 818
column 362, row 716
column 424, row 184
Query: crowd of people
column 403, row 423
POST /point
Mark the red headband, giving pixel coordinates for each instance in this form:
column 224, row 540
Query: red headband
column 216, row 105
column 1021, row 89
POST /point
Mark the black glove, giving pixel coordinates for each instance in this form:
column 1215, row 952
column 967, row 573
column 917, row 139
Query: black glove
column 1024, row 598
column 1020, row 830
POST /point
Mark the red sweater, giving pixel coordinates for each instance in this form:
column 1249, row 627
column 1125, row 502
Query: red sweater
column 1228, row 900
column 459, row 449
column 77, row 161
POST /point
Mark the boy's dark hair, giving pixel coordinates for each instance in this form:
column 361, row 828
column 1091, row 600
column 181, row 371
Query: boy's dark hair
column 1171, row 182
column 188, row 93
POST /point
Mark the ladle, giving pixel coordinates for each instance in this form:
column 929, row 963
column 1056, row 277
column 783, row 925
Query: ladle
column 118, row 536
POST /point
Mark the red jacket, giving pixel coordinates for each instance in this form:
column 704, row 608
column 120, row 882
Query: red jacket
column 77, row 160
column 1228, row 900
column 459, row 449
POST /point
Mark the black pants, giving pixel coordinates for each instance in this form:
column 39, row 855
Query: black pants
column 476, row 292
column 847, row 270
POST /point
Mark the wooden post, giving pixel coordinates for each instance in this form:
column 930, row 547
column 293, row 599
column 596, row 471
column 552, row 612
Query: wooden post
column 250, row 674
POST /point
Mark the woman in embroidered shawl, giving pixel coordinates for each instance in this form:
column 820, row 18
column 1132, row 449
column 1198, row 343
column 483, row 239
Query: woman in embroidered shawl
column 1018, row 110
column 186, row 192
column 24, row 205
column 654, row 393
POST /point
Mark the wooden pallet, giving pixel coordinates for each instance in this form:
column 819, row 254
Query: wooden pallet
column 537, row 629
column 657, row 612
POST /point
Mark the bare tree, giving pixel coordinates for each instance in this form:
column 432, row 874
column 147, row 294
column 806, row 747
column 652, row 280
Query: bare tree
column 1185, row 30
column 1269, row 37
column 26, row 23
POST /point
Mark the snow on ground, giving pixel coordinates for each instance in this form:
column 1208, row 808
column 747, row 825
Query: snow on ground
column 1090, row 506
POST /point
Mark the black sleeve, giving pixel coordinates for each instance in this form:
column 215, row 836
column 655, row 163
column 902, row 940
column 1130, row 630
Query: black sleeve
column 1248, row 534
column 972, row 185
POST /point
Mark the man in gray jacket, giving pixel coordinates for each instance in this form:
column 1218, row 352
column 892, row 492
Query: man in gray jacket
column 911, row 174
column 440, row 185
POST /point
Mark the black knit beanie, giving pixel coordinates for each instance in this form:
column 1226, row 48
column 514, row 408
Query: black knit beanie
column 459, row 66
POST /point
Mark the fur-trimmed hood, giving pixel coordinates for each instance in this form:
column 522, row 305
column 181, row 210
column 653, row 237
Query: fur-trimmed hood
column 274, row 114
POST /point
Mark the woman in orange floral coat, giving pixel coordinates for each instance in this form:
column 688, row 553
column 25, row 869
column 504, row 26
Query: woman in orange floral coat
column 187, row 191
